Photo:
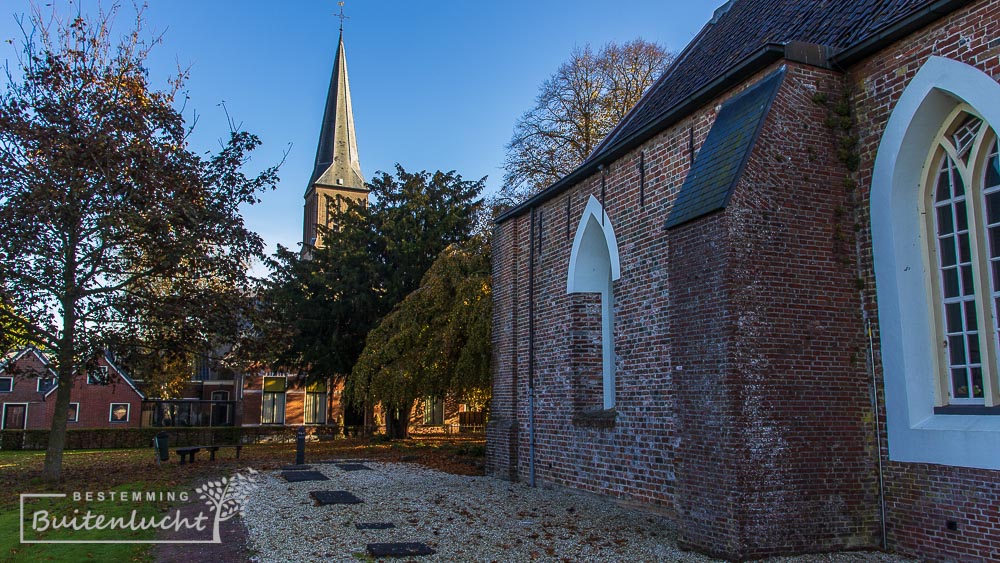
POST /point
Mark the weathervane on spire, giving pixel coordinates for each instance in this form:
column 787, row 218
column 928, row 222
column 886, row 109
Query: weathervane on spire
column 342, row 16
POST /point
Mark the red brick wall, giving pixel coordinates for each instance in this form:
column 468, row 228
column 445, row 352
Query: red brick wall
column 741, row 399
column 95, row 400
column 717, row 414
column 24, row 390
column 742, row 380
column 922, row 498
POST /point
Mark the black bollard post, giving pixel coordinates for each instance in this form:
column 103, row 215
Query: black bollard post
column 300, row 446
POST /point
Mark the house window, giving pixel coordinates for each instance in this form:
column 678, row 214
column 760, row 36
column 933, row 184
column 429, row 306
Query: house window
column 15, row 416
column 593, row 267
column 273, row 401
column 119, row 412
column 97, row 376
column 6, row 384
column 433, row 412
column 315, row 405
column 73, row 414
column 45, row 384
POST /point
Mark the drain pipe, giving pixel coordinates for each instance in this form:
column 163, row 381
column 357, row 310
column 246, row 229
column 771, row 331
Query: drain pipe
column 531, row 351
column 878, row 428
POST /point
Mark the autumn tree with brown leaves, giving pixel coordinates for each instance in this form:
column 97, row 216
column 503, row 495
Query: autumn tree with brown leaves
column 112, row 230
column 575, row 109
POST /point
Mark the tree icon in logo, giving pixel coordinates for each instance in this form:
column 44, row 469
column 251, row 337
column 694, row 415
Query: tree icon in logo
column 227, row 496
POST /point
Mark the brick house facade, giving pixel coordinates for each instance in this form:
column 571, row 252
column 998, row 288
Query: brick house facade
column 106, row 397
column 727, row 301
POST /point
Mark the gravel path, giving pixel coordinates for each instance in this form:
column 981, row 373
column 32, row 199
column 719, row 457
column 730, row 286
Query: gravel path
column 462, row 518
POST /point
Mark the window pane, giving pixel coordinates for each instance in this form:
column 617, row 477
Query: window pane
column 993, row 172
column 953, row 311
column 973, row 341
column 959, row 384
column 993, row 208
column 943, row 188
column 961, row 217
column 977, row 383
column 964, row 252
column 956, row 345
column 948, row 254
column 970, row 315
column 945, row 225
column 968, row 285
column 957, row 183
column 995, row 242
column 6, row 384
column 950, row 282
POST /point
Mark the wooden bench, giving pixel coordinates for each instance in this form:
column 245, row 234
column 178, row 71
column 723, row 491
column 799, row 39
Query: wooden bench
column 190, row 452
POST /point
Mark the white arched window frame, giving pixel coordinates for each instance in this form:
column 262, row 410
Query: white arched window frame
column 909, row 278
column 593, row 267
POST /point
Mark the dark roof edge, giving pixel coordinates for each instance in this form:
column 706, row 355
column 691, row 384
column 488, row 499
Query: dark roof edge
column 764, row 56
column 933, row 12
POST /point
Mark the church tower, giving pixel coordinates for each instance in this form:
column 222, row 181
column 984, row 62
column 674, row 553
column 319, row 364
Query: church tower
column 336, row 176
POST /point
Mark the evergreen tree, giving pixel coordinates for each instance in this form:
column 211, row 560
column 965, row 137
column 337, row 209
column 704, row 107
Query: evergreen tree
column 317, row 309
column 435, row 343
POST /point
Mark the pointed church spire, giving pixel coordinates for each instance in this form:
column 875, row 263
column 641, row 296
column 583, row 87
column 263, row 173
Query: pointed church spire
column 336, row 176
column 337, row 161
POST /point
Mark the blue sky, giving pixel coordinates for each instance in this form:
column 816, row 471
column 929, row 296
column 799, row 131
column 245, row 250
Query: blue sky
column 435, row 84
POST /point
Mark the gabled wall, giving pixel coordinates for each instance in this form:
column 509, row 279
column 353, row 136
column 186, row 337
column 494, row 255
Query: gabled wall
column 738, row 407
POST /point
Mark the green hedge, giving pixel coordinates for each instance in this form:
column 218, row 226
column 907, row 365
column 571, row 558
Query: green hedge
column 113, row 438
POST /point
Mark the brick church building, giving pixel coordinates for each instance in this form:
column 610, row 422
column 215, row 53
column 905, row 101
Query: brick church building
column 769, row 300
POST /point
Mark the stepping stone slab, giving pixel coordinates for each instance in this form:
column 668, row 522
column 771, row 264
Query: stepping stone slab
column 297, row 476
column 407, row 549
column 296, row 467
column 374, row 525
column 353, row 467
column 334, row 497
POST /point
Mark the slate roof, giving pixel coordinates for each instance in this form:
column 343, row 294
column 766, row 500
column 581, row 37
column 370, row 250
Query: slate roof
column 722, row 157
column 742, row 27
column 720, row 57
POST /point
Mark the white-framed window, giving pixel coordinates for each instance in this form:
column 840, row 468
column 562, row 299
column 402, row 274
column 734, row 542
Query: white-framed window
column 73, row 414
column 97, row 375
column 45, row 384
column 962, row 200
column 593, row 268
column 14, row 417
column 937, row 316
column 6, row 384
column 273, row 401
column 314, row 409
column 119, row 412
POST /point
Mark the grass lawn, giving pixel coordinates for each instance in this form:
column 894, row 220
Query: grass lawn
column 136, row 470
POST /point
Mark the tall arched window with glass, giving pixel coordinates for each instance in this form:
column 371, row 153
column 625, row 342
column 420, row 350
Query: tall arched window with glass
column 964, row 193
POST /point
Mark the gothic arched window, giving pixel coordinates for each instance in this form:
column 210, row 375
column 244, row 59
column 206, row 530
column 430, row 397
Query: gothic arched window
column 593, row 266
column 935, row 227
column 963, row 199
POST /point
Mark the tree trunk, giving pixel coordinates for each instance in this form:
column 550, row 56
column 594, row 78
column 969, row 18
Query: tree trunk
column 57, row 434
column 397, row 422
column 52, row 471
